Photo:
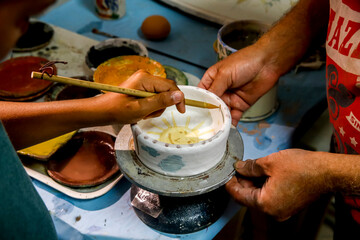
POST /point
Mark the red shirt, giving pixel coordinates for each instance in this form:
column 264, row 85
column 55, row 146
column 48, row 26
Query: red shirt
column 342, row 74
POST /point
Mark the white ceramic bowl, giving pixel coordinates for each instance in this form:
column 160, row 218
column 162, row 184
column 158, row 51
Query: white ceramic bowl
column 187, row 144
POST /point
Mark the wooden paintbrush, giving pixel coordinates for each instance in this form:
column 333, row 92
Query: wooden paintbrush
column 111, row 88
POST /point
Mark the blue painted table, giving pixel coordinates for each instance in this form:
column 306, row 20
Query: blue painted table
column 111, row 215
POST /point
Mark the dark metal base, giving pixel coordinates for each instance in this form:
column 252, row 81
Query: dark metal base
column 180, row 215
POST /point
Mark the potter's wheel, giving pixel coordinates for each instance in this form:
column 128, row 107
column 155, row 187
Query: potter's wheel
column 137, row 173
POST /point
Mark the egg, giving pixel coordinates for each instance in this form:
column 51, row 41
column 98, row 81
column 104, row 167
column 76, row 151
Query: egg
column 155, row 27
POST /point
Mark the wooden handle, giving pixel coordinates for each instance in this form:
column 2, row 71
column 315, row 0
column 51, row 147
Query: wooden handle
column 93, row 85
column 111, row 88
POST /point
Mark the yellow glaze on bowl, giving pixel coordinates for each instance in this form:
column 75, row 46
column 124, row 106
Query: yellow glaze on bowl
column 116, row 70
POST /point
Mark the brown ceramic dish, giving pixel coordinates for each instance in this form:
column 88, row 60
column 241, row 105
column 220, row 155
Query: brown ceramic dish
column 16, row 83
column 38, row 35
column 88, row 159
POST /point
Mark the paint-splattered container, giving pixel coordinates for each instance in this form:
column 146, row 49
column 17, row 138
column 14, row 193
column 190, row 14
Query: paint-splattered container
column 110, row 9
column 186, row 144
column 237, row 35
column 111, row 48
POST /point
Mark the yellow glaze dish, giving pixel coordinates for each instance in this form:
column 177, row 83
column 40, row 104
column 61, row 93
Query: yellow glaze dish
column 44, row 150
column 116, row 70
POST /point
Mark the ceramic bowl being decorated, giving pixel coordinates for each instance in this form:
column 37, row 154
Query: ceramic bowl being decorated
column 186, row 144
column 111, row 48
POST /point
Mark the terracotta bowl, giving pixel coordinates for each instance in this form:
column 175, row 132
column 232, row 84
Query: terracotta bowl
column 184, row 144
column 16, row 83
column 37, row 36
column 88, row 159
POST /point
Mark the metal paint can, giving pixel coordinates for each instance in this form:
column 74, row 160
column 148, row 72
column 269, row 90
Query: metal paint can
column 110, row 9
column 234, row 36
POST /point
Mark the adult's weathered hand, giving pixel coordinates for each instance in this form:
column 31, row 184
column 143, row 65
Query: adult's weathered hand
column 293, row 179
column 240, row 79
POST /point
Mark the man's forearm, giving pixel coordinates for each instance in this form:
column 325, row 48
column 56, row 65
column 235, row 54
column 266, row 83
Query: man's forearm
column 343, row 171
column 289, row 39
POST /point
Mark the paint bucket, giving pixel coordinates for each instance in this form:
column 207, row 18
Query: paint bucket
column 234, row 36
column 111, row 48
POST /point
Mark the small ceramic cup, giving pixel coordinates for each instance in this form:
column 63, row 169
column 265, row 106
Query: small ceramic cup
column 110, row 9
column 240, row 34
column 111, row 48
column 186, row 144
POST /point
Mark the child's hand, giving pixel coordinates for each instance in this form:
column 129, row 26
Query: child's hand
column 127, row 109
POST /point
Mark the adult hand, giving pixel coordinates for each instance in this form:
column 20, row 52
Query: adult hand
column 240, row 79
column 128, row 109
column 293, row 179
column 244, row 76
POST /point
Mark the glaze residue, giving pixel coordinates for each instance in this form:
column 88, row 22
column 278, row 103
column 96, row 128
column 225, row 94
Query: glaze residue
column 88, row 159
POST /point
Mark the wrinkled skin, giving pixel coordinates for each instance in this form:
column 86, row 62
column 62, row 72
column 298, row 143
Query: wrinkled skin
column 282, row 183
column 294, row 179
column 240, row 80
